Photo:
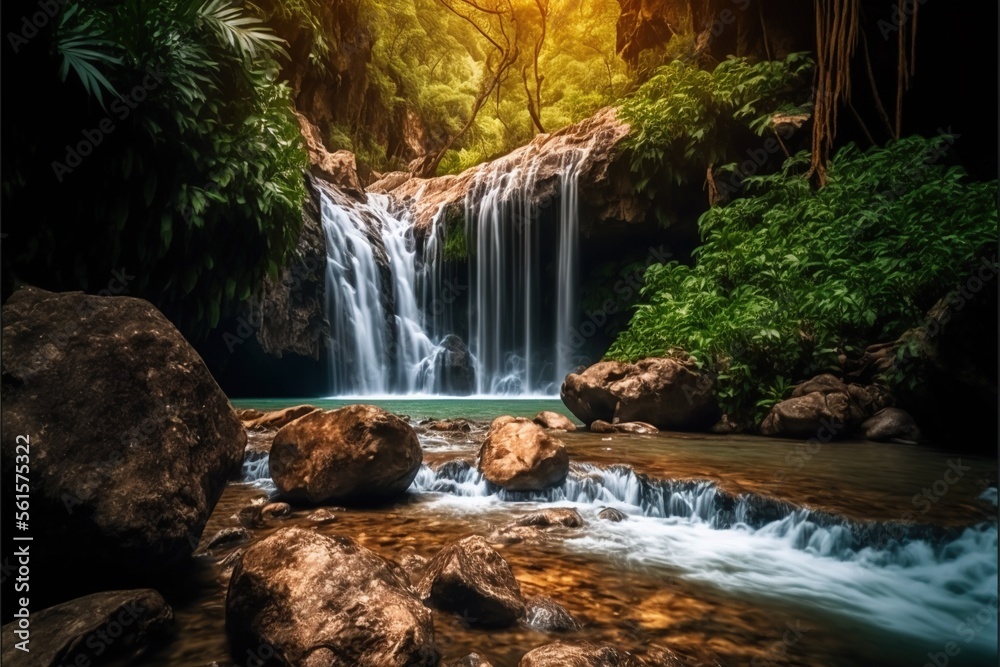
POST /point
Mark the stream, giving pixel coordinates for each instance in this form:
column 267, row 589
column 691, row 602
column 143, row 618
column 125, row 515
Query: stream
column 737, row 550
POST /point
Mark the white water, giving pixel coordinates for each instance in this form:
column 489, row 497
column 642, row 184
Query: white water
column 385, row 337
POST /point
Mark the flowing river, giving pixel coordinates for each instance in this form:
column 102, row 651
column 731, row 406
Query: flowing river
column 737, row 550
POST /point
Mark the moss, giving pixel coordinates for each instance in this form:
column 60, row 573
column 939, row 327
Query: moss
column 455, row 245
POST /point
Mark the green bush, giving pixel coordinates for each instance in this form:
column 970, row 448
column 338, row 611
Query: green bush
column 791, row 277
column 684, row 119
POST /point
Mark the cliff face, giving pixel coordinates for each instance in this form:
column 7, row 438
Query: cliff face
column 755, row 29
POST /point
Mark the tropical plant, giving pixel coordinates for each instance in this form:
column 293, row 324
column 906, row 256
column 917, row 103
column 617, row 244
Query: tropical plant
column 181, row 160
column 790, row 278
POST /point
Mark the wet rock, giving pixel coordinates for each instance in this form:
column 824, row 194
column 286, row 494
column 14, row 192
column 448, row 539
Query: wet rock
column 275, row 511
column 472, row 660
column 544, row 614
column 321, row 516
column 549, row 419
column 578, row 654
column 521, row 456
column 251, row 516
column 658, row 656
column 326, row 601
column 891, row 424
column 612, row 514
column 665, row 393
column 249, row 414
column 227, row 538
column 601, row 426
column 131, row 439
column 278, row 418
column 823, row 407
column 80, row 632
column 641, row 428
column 471, row 578
column 449, row 425
column 454, row 367
column 554, row 516
column 357, row 453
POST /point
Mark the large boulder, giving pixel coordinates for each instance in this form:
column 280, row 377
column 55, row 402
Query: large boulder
column 823, row 407
column 471, row 578
column 667, row 393
column 356, row 453
column 319, row 600
column 131, row 440
column 519, row 455
column 277, row 418
column 891, row 424
column 578, row 654
column 92, row 630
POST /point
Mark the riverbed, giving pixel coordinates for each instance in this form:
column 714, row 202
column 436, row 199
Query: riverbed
column 737, row 550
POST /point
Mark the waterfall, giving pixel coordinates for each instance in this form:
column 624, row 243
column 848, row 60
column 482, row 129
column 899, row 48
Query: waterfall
column 378, row 341
column 395, row 312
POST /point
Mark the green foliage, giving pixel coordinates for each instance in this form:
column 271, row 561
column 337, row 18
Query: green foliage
column 789, row 278
column 684, row 119
column 198, row 189
column 455, row 245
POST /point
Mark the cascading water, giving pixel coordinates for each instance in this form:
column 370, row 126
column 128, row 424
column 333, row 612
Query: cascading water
column 378, row 341
column 394, row 315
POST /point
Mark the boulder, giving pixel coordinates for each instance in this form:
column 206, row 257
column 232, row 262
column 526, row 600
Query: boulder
column 824, row 407
column 278, row 418
column 666, row 393
column 471, row 578
column 549, row 419
column 454, row 367
column 578, row 654
column 318, row 600
column 612, row 514
column 92, row 630
column 519, row 455
column 554, row 516
column 544, row 614
column 356, row 453
column 130, row 440
column 891, row 424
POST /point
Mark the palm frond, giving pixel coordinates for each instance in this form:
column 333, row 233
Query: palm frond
column 245, row 34
column 82, row 52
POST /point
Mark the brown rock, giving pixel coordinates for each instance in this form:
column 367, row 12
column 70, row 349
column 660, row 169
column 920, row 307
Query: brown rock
column 227, row 538
column 322, row 515
column 544, row 614
column 805, row 416
column 471, row 578
column 275, row 511
column 521, row 456
column 665, row 393
column 278, row 418
column 891, row 424
column 612, row 514
column 356, row 453
column 326, row 601
column 549, row 419
column 554, row 516
column 79, row 632
column 472, row 660
column 131, row 440
column 578, row 654
column 339, row 167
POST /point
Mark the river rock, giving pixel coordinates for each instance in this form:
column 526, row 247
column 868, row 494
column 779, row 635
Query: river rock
column 552, row 516
column 823, row 407
column 356, row 453
column 891, row 424
column 227, row 538
column 612, row 514
column 319, row 600
column 544, row 614
column 521, row 456
column 549, row 419
column 322, row 515
column 578, row 654
column 92, row 630
column 131, row 440
column 278, row 418
column 471, row 578
column 666, row 393
column 275, row 511
column 472, row 660
column 641, row 428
